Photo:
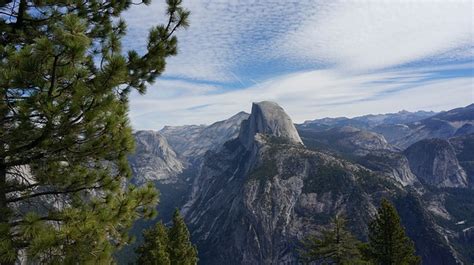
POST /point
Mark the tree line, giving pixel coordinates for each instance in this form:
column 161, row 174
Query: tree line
column 387, row 245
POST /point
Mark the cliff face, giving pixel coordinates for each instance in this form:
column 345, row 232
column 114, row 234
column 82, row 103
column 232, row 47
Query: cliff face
column 344, row 140
column 270, row 119
column 154, row 159
column 455, row 122
column 191, row 142
column 392, row 164
column 253, row 208
column 434, row 161
column 250, row 189
column 260, row 194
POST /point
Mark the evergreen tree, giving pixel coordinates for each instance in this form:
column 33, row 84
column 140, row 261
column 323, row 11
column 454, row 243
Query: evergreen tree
column 388, row 244
column 335, row 246
column 64, row 131
column 166, row 246
column 154, row 250
column 182, row 251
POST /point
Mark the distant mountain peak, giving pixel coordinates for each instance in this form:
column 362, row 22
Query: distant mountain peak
column 270, row 119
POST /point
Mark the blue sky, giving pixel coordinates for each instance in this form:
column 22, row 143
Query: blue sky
column 315, row 58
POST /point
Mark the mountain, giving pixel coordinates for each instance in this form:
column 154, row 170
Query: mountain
column 464, row 146
column 369, row 121
column 170, row 159
column 404, row 128
column 191, row 142
column 154, row 159
column 344, row 140
column 434, row 161
column 268, row 118
column 456, row 122
column 252, row 186
column 258, row 195
column 392, row 164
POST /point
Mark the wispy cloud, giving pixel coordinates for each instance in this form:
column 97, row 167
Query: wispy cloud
column 316, row 58
column 367, row 35
column 312, row 94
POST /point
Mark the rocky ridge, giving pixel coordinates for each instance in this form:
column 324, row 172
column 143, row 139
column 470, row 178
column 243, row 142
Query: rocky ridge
column 154, row 159
column 257, row 197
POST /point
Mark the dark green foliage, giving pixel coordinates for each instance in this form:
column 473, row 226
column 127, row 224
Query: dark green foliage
column 388, row 243
column 166, row 246
column 460, row 204
column 327, row 177
column 182, row 252
column 267, row 169
column 335, row 246
column 420, row 225
column 154, row 249
column 370, row 182
column 64, row 130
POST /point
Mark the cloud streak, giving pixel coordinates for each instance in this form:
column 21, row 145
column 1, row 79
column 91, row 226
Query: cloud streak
column 312, row 94
column 316, row 58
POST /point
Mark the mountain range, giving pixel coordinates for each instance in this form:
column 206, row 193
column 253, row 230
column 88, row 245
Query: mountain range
column 252, row 186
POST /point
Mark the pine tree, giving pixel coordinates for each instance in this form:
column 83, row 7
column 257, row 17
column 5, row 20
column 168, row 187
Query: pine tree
column 335, row 246
column 182, row 251
column 64, row 131
column 166, row 246
column 388, row 243
column 154, row 250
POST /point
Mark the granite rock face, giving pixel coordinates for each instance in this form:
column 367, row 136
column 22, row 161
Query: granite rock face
column 344, row 140
column 434, row 161
column 370, row 121
column 455, row 122
column 390, row 163
column 270, row 119
column 260, row 194
column 191, row 142
column 154, row 159
column 258, row 186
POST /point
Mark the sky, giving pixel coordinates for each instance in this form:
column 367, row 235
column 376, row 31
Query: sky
column 315, row 58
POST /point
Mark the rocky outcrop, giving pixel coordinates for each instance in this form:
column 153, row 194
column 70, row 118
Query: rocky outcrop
column 259, row 190
column 260, row 194
column 344, row 140
column 464, row 148
column 191, row 142
column 154, row 159
column 249, row 209
column 369, row 121
column 268, row 118
column 455, row 122
column 392, row 164
column 434, row 162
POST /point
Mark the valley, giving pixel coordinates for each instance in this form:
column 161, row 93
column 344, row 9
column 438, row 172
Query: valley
column 252, row 186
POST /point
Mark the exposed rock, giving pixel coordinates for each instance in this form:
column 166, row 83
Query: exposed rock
column 344, row 140
column 393, row 133
column 392, row 164
column 259, row 191
column 434, row 161
column 253, row 205
column 270, row 119
column 154, row 159
column 247, row 210
column 182, row 138
column 369, row 121
column 455, row 122
column 191, row 142
column 464, row 148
